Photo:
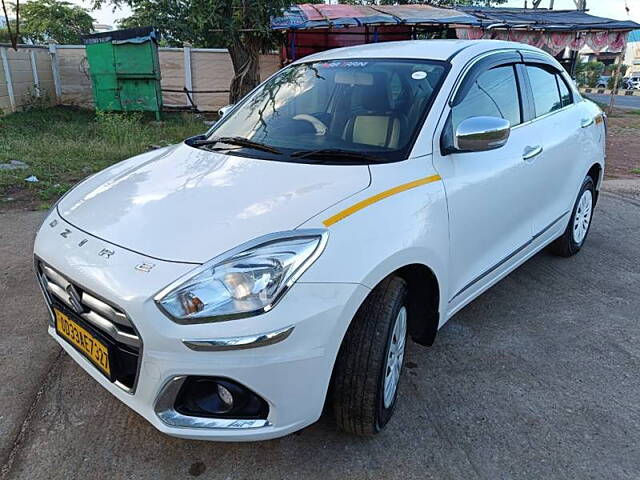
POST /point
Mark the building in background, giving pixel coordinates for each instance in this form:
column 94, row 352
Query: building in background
column 631, row 58
column 310, row 28
column 632, row 55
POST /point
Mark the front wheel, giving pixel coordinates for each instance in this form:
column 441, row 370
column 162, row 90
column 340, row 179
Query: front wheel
column 369, row 364
column 576, row 232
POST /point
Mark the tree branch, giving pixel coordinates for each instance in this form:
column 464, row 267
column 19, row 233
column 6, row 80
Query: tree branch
column 13, row 38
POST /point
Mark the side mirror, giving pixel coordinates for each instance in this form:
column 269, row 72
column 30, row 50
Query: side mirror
column 479, row 134
column 224, row 110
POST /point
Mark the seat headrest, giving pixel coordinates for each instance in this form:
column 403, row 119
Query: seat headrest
column 375, row 97
column 376, row 130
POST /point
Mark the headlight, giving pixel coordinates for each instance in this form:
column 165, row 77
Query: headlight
column 247, row 281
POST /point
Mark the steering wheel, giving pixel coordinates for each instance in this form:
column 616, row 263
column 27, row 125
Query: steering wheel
column 320, row 128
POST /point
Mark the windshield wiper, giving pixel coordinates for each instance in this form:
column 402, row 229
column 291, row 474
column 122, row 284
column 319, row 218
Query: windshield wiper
column 331, row 153
column 240, row 141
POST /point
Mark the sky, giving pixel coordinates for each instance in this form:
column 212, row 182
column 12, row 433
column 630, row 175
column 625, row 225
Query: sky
column 606, row 8
column 602, row 8
column 105, row 15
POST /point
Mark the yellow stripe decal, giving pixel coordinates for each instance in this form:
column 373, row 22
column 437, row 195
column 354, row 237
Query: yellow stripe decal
column 376, row 198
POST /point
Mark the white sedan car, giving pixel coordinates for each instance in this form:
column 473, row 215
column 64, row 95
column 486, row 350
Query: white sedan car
column 227, row 287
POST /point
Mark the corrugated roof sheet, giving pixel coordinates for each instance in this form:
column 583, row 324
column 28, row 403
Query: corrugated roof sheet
column 308, row 16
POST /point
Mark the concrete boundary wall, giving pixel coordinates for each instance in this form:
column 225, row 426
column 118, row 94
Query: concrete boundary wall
column 25, row 75
column 60, row 74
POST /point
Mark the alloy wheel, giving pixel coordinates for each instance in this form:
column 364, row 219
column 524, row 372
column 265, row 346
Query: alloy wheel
column 393, row 366
column 582, row 217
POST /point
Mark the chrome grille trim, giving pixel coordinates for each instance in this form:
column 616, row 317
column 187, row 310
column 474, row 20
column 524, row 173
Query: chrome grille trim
column 105, row 325
column 100, row 314
column 58, row 291
column 125, row 339
column 105, row 310
column 55, row 277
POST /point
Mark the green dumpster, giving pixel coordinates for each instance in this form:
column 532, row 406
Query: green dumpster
column 125, row 70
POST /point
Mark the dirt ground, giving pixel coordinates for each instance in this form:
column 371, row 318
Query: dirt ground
column 623, row 145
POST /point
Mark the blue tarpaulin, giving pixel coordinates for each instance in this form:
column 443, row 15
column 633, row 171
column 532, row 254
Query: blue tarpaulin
column 129, row 35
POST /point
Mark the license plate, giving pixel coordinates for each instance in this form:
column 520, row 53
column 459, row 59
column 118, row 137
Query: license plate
column 89, row 345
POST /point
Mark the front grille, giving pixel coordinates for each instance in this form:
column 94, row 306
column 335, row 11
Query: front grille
column 108, row 322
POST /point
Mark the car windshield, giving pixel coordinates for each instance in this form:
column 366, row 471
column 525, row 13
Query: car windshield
column 339, row 111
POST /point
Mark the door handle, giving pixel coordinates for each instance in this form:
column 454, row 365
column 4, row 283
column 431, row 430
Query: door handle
column 586, row 122
column 531, row 152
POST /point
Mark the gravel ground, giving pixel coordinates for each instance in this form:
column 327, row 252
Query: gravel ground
column 623, row 145
column 538, row 378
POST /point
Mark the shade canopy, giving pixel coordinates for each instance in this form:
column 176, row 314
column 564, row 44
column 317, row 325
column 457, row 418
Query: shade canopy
column 309, row 16
column 314, row 16
column 543, row 19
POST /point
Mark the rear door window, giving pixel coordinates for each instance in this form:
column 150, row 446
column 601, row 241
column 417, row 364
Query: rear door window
column 546, row 96
column 565, row 94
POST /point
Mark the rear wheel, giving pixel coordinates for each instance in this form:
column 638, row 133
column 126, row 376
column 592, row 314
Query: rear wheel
column 369, row 364
column 577, row 230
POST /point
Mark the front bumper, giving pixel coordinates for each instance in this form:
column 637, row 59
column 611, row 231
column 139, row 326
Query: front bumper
column 292, row 374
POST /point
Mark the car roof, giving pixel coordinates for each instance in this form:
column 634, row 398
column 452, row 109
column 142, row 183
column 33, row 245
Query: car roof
column 420, row 49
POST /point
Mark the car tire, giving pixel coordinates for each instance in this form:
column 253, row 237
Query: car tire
column 370, row 360
column 577, row 230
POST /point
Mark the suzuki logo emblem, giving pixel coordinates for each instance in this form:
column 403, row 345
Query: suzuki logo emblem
column 75, row 300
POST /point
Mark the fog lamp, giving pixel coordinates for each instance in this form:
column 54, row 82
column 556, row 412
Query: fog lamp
column 218, row 398
column 225, row 395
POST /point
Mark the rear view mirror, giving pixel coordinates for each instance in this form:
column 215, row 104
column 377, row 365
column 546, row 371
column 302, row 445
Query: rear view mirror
column 350, row 77
column 479, row 134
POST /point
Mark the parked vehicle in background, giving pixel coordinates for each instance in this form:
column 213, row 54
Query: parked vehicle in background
column 226, row 287
column 603, row 81
column 632, row 82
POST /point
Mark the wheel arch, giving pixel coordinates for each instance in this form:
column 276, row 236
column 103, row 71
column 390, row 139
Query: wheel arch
column 423, row 303
column 424, row 289
column 595, row 172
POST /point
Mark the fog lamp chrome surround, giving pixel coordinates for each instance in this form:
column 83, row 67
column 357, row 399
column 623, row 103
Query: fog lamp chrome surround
column 164, row 409
column 321, row 233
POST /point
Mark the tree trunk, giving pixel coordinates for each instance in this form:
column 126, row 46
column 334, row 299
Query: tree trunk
column 245, row 56
column 14, row 39
column 616, row 80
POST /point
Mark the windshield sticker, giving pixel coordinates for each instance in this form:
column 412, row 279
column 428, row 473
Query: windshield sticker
column 419, row 75
column 345, row 64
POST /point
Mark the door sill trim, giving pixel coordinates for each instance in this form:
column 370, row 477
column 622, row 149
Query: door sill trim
column 508, row 257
